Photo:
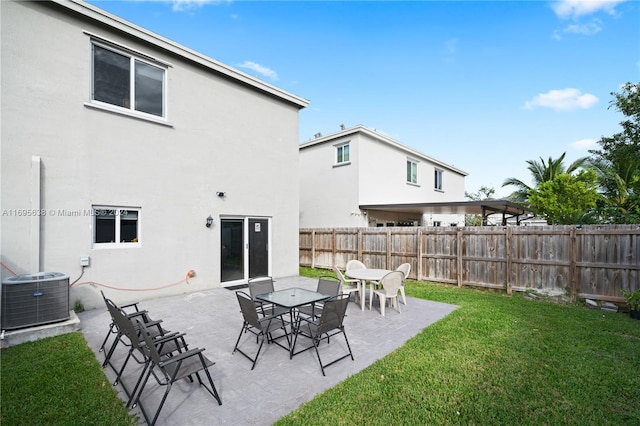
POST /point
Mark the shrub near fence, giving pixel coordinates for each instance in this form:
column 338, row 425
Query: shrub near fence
column 595, row 262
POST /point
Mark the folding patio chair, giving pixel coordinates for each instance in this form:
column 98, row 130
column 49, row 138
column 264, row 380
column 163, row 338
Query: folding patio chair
column 166, row 343
column 328, row 325
column 262, row 327
column 171, row 369
column 326, row 285
column 130, row 309
column 119, row 333
column 263, row 285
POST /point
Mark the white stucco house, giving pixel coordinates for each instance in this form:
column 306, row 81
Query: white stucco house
column 130, row 162
column 358, row 177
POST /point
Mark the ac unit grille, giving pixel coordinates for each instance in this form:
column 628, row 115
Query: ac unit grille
column 34, row 299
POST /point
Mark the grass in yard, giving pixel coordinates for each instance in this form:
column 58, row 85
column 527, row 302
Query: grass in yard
column 497, row 359
column 57, row 381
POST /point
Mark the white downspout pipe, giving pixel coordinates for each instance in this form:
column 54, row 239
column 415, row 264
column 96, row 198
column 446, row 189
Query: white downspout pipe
column 34, row 235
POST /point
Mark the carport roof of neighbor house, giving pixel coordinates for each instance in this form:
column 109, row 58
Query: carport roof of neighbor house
column 484, row 208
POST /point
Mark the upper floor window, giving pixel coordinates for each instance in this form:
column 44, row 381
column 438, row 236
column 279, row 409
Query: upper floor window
column 123, row 80
column 412, row 171
column 437, row 180
column 342, row 152
column 116, row 225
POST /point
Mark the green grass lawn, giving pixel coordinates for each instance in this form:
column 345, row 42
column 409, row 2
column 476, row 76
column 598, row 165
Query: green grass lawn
column 57, row 381
column 497, row 359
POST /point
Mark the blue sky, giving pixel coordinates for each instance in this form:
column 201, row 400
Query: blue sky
column 484, row 86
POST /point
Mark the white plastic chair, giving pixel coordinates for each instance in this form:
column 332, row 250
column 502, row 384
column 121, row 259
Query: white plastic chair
column 348, row 285
column 355, row 264
column 390, row 285
column 405, row 268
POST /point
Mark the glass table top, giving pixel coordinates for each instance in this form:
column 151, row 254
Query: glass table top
column 292, row 297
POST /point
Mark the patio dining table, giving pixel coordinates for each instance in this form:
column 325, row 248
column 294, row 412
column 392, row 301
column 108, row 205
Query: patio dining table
column 291, row 299
column 366, row 275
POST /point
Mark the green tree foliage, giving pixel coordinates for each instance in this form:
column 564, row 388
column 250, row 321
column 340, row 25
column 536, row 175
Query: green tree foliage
column 566, row 199
column 617, row 162
column 541, row 172
column 484, row 193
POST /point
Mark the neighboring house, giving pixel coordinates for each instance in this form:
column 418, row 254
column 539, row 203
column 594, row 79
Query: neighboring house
column 356, row 178
column 118, row 144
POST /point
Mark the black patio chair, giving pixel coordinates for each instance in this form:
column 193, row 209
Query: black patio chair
column 328, row 285
column 262, row 327
column 166, row 343
column 130, row 309
column 328, row 325
column 171, row 369
column 119, row 333
column 263, row 285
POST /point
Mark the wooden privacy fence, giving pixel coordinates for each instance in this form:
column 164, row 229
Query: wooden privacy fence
column 595, row 262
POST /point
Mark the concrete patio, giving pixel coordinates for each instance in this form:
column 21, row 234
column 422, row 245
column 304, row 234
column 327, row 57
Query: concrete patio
column 277, row 385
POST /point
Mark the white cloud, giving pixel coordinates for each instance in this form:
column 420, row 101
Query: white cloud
column 583, row 144
column 588, row 29
column 260, row 69
column 451, row 45
column 585, row 29
column 565, row 9
column 562, row 100
column 182, row 5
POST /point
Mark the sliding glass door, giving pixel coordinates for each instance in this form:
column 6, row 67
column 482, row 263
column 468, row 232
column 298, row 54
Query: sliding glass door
column 244, row 249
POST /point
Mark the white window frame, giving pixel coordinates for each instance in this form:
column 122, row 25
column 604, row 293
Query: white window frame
column 339, row 154
column 133, row 57
column 116, row 210
column 438, row 179
column 414, row 171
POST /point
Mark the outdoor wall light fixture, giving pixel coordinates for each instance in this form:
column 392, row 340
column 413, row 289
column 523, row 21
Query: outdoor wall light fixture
column 220, row 194
column 209, row 222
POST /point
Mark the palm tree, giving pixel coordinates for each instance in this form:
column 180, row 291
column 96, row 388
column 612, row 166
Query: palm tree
column 541, row 172
column 620, row 183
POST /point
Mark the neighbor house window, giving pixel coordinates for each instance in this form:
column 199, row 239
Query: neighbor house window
column 128, row 82
column 116, row 225
column 437, row 179
column 412, row 171
column 342, row 152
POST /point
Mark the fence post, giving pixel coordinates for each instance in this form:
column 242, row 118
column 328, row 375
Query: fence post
column 333, row 247
column 509, row 258
column 573, row 263
column 313, row 248
column 419, row 254
column 459, row 255
column 360, row 245
column 388, row 257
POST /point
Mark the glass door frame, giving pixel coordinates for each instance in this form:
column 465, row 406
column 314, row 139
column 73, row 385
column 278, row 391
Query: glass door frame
column 246, row 248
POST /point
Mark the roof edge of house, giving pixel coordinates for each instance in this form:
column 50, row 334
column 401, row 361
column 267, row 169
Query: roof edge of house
column 93, row 12
column 381, row 137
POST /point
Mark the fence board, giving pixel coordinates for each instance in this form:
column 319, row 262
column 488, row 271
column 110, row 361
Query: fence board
column 591, row 261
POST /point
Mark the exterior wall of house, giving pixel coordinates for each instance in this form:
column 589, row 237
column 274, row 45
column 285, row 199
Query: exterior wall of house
column 377, row 174
column 329, row 192
column 385, row 182
column 221, row 136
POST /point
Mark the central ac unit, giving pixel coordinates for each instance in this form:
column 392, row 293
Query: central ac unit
column 34, row 299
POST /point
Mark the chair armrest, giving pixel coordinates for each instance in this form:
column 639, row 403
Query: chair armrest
column 137, row 314
column 270, row 318
column 168, row 337
column 308, row 320
column 129, row 305
column 180, row 356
